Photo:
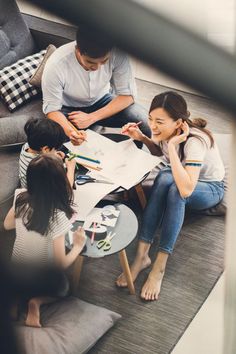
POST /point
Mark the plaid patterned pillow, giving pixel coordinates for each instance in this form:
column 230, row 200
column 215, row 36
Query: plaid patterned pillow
column 15, row 89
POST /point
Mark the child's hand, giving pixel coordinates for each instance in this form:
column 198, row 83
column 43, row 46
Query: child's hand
column 70, row 165
column 79, row 237
column 132, row 131
column 77, row 138
column 60, row 154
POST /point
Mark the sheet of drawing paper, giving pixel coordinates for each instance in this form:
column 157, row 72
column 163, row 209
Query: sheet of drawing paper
column 128, row 165
column 96, row 215
column 121, row 163
column 88, row 195
column 96, row 147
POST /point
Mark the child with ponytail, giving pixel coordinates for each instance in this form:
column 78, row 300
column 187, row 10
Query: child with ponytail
column 42, row 215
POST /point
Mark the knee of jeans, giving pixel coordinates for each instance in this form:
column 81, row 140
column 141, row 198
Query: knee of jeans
column 164, row 178
column 174, row 192
column 137, row 111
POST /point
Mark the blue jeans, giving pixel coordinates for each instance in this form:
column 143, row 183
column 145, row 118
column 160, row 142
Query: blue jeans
column 166, row 208
column 133, row 113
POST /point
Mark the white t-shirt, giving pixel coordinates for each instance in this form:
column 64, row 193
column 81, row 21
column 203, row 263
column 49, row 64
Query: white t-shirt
column 66, row 83
column 198, row 152
column 31, row 246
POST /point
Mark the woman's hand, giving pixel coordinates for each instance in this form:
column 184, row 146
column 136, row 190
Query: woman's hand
column 181, row 135
column 132, row 131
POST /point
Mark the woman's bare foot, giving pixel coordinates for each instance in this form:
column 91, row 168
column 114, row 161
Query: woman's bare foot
column 152, row 287
column 138, row 265
column 33, row 316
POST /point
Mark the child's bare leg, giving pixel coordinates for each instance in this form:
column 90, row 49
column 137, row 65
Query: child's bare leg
column 33, row 315
column 152, row 286
column 140, row 262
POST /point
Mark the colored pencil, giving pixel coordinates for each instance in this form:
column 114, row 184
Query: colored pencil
column 133, row 126
column 82, row 157
column 96, row 168
column 87, row 158
column 93, row 234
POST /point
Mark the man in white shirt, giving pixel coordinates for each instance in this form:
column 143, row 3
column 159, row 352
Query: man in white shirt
column 89, row 82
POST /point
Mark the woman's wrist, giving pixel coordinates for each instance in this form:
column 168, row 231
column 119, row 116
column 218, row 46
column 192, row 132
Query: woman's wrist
column 143, row 138
column 171, row 146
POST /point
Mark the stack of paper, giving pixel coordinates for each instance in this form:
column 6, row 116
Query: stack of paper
column 122, row 163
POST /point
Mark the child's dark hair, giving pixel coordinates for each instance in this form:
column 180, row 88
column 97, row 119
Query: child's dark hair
column 42, row 132
column 92, row 43
column 48, row 190
column 176, row 107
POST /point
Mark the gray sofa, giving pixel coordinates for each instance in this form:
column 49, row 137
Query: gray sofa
column 21, row 35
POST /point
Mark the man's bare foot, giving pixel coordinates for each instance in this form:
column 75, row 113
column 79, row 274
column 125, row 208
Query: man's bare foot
column 33, row 316
column 139, row 264
column 152, row 287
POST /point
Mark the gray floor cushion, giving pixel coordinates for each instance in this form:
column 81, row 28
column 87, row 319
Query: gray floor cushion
column 70, row 326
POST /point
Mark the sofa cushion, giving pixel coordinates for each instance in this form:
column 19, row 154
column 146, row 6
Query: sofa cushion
column 16, row 41
column 70, row 326
column 31, row 109
column 15, row 89
column 35, row 79
column 13, row 131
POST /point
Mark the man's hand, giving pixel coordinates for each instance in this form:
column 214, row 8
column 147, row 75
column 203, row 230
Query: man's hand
column 77, row 138
column 80, row 119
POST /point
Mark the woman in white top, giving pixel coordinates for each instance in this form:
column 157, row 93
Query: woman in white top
column 193, row 179
column 42, row 216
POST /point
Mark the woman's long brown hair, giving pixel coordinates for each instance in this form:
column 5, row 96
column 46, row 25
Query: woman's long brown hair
column 176, row 107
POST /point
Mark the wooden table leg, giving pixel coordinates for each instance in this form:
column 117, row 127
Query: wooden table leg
column 125, row 267
column 77, row 267
column 126, row 196
column 141, row 195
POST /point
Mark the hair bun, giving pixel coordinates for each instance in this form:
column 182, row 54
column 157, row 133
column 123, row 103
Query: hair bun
column 200, row 122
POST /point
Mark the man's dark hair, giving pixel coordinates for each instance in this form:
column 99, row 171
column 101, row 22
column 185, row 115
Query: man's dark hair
column 92, row 43
column 42, row 132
